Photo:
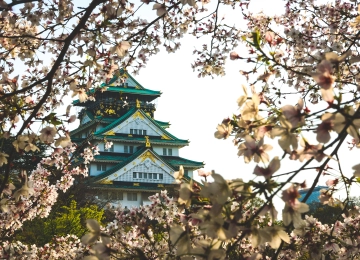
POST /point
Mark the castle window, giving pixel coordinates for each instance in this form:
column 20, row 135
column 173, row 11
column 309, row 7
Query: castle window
column 150, row 175
column 164, row 151
column 134, row 175
column 116, row 195
column 132, row 196
column 140, row 175
column 101, row 167
column 137, row 132
column 161, row 176
column 155, row 175
column 170, row 152
column 128, row 149
column 145, row 175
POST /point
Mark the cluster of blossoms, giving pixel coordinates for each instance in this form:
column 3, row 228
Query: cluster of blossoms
column 68, row 247
column 232, row 224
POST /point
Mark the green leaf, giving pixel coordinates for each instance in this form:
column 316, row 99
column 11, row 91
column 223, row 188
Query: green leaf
column 256, row 39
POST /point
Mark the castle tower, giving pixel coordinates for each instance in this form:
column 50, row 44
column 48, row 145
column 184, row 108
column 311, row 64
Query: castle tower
column 144, row 154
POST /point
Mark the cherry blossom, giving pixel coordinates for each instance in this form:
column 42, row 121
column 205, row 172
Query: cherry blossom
column 203, row 173
column 223, row 131
column 292, row 116
column 179, row 174
column 160, row 9
column 47, row 134
column 3, row 159
column 252, row 149
column 267, row 172
column 26, row 190
column 325, row 80
column 293, row 207
column 251, row 109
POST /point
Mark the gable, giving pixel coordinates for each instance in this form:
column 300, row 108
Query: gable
column 146, row 163
column 122, row 75
column 85, row 119
column 138, row 121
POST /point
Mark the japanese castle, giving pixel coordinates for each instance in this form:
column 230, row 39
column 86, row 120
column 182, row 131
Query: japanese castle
column 144, row 155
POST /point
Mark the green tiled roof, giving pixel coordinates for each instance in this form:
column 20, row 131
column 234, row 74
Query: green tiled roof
column 93, row 121
column 116, row 122
column 145, row 92
column 136, row 154
column 162, row 123
column 133, row 87
column 126, row 187
column 126, row 116
column 176, row 161
column 83, row 127
column 141, row 140
column 173, row 161
column 111, row 157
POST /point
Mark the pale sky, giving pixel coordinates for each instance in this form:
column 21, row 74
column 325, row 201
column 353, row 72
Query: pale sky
column 195, row 106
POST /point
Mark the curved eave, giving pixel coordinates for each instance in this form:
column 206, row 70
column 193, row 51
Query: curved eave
column 142, row 92
column 193, row 167
column 82, row 127
column 108, row 161
column 116, row 122
column 129, row 114
column 163, row 124
column 179, row 142
column 176, row 161
column 127, row 188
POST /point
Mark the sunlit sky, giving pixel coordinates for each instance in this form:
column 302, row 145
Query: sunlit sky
column 194, row 106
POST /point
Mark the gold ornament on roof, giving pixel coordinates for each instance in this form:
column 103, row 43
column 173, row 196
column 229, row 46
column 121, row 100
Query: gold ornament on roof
column 165, row 137
column 138, row 114
column 137, row 103
column 106, row 181
column 111, row 132
column 110, row 111
column 147, row 141
column 146, row 155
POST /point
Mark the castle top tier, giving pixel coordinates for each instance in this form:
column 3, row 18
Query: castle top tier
column 121, row 93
